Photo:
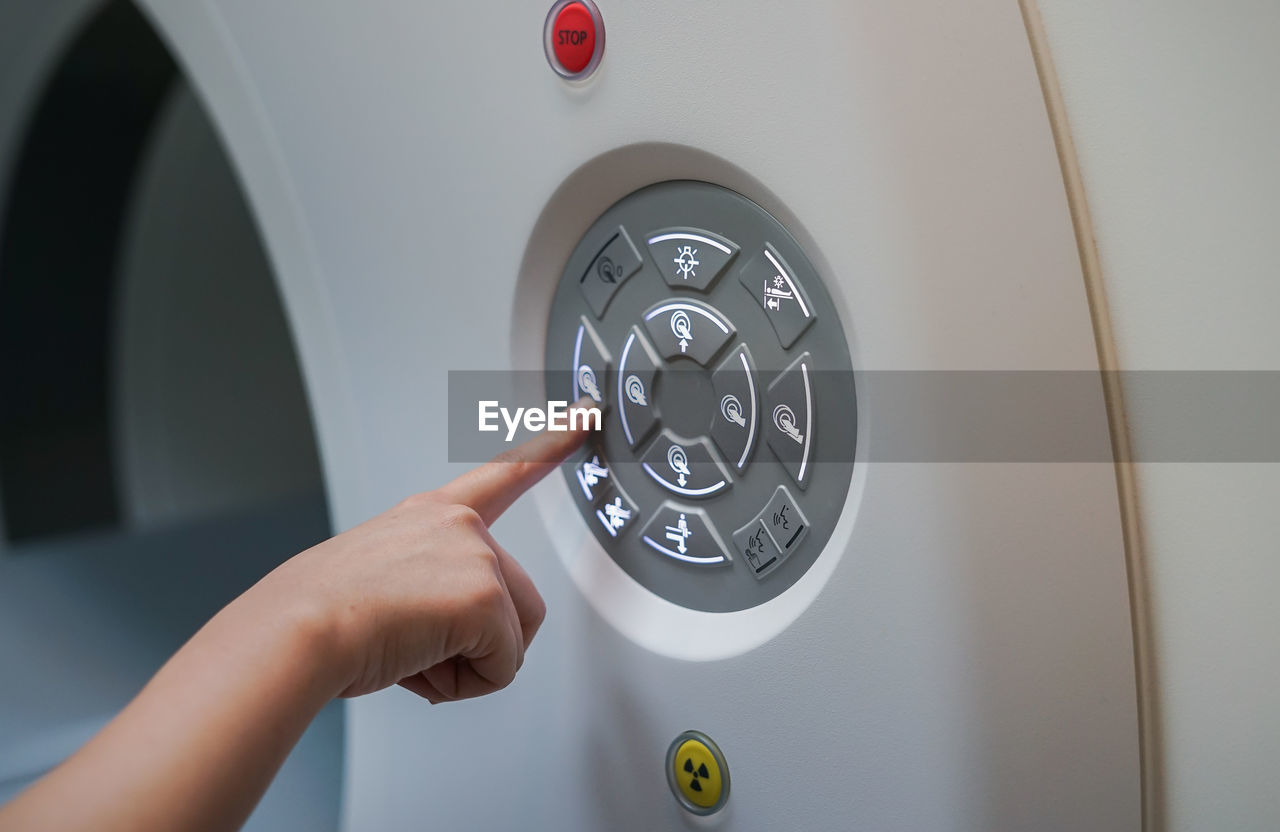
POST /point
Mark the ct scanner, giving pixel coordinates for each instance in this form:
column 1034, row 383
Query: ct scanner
column 244, row 245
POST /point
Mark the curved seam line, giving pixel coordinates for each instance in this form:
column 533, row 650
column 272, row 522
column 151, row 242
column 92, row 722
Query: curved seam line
column 1145, row 672
column 697, row 238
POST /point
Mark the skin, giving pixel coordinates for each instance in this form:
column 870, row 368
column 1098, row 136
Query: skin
column 421, row 596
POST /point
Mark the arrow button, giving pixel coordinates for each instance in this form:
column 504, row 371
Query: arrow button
column 688, row 329
column 685, row 534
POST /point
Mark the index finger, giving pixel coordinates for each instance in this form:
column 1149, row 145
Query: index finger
column 494, row 486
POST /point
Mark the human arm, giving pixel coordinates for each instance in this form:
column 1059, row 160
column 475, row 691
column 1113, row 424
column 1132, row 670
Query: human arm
column 421, row 595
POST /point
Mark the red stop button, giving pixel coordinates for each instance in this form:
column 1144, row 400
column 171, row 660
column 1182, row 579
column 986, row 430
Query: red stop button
column 574, row 37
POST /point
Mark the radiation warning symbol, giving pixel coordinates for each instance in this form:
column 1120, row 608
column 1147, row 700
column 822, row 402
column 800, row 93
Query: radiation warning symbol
column 697, row 773
column 701, row 771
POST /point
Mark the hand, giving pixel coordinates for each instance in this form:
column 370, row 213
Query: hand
column 423, row 595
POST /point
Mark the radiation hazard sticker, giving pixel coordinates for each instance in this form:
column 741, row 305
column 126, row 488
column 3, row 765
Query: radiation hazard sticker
column 697, row 773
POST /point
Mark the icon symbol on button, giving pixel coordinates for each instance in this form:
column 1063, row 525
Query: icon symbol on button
column 635, row 391
column 680, row 533
column 613, row 516
column 785, row 418
column 700, row 771
column 590, row 475
column 587, row 382
column 774, row 295
column 679, row 462
column 607, row 271
column 731, row 409
column 685, row 263
column 756, row 551
column 682, row 326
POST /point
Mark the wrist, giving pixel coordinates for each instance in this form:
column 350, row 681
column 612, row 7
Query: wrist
column 307, row 633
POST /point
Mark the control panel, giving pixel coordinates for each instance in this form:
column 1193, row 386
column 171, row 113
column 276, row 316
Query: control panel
column 695, row 321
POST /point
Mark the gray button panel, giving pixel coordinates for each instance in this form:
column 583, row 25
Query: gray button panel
column 690, row 258
column 778, row 291
column 685, row 534
column 616, row 261
column 685, row 328
column 689, row 503
column 737, row 418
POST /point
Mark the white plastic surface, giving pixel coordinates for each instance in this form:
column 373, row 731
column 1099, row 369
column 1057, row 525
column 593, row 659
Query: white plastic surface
column 968, row 664
column 86, row 619
column 1175, row 115
column 209, row 413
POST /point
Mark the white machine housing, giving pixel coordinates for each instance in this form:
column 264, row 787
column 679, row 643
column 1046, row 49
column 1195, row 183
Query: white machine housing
column 961, row 656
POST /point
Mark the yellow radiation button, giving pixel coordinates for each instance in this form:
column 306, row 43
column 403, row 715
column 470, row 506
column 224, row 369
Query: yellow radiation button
column 697, row 773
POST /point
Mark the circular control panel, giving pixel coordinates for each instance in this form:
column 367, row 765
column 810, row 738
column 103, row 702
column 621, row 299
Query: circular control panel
column 690, row 315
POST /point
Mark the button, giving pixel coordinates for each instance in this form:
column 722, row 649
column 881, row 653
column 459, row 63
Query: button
column 616, row 513
column 689, row 258
column 685, row 534
column 637, row 372
column 789, row 419
column 593, row 476
column 574, row 38
column 686, row 468
column 688, row 328
column 784, row 521
column 697, row 773
column 617, row 261
column 733, row 427
column 590, row 365
column 775, row 287
column 759, row 551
